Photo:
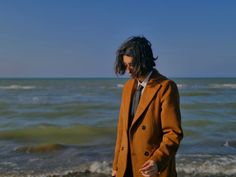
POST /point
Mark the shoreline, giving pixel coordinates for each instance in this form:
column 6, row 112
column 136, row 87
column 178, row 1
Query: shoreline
column 89, row 174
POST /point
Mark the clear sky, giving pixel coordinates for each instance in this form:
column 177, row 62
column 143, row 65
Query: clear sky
column 79, row 38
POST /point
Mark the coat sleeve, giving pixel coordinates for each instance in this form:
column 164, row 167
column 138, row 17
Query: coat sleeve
column 170, row 124
column 118, row 137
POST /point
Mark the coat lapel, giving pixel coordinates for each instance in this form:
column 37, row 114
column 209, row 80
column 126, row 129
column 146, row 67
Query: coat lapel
column 150, row 90
column 127, row 100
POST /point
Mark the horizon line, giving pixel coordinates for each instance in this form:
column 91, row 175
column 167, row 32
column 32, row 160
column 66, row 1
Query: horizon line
column 93, row 77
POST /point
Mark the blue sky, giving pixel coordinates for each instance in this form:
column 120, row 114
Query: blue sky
column 79, row 38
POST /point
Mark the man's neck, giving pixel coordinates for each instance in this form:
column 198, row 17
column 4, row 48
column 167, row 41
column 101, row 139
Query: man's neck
column 142, row 78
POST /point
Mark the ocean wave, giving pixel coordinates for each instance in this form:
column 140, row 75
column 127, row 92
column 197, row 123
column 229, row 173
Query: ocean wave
column 45, row 148
column 198, row 93
column 53, row 134
column 207, row 86
column 120, row 85
column 192, row 165
column 200, row 165
column 219, row 86
column 17, row 87
column 180, row 86
column 202, row 106
column 103, row 167
column 207, row 165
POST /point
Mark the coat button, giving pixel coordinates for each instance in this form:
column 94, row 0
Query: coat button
column 146, row 153
column 122, row 148
column 143, row 127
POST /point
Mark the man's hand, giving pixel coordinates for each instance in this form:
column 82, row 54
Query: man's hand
column 113, row 173
column 149, row 168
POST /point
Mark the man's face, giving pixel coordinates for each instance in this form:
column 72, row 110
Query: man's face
column 128, row 64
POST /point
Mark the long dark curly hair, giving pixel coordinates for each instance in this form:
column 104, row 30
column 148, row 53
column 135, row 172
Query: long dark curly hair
column 139, row 48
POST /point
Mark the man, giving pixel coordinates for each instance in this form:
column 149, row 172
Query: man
column 149, row 127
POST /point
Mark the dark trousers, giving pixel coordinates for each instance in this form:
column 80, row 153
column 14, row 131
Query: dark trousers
column 129, row 171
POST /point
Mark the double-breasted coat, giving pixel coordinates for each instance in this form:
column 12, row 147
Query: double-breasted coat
column 155, row 132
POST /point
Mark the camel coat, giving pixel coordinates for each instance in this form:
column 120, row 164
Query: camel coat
column 155, row 132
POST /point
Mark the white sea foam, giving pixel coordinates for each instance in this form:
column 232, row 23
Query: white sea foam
column 206, row 86
column 229, row 86
column 120, row 85
column 193, row 165
column 207, row 164
column 17, row 87
column 187, row 165
column 180, row 86
column 103, row 167
column 100, row 167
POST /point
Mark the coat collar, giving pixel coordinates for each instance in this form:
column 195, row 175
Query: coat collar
column 154, row 84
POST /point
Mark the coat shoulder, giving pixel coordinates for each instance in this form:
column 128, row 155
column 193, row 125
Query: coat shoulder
column 128, row 83
column 163, row 80
column 169, row 83
column 166, row 83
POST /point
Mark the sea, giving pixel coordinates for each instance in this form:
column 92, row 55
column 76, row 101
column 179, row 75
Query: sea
column 67, row 126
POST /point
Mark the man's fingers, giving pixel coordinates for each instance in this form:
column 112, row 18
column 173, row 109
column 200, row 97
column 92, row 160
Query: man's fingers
column 146, row 163
column 152, row 171
column 148, row 167
column 149, row 172
column 113, row 173
column 145, row 166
